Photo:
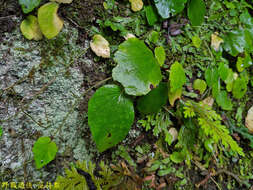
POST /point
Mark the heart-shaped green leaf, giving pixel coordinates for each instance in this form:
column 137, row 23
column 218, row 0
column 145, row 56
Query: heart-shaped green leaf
column 110, row 116
column 196, row 12
column 30, row 28
column 50, row 23
column 168, row 8
column 137, row 69
column 44, row 151
column 154, row 100
column 28, row 5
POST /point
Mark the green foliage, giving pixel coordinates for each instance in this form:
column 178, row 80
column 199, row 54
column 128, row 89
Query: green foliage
column 110, row 116
column 177, row 77
column 237, row 41
column 75, row 180
column 223, row 100
column 159, row 123
column 196, row 11
column 199, row 85
column 239, row 87
column 160, row 55
column 28, row 5
column 223, row 71
column 210, row 123
column 211, row 76
column 81, row 177
column 196, row 41
column 154, row 100
column 1, row 131
column 44, row 151
column 151, row 15
column 168, row 8
column 137, row 68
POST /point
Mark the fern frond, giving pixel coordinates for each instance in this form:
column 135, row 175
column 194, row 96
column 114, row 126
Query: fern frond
column 210, row 123
column 74, row 180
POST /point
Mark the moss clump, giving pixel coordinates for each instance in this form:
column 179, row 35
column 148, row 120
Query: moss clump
column 82, row 12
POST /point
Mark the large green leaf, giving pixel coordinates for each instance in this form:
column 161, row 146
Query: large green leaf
column 44, row 151
column 110, row 116
column 50, row 23
column 137, row 69
column 177, row 76
column 238, row 41
column 247, row 20
column 168, row 8
column 28, row 5
column 196, row 11
column 154, row 100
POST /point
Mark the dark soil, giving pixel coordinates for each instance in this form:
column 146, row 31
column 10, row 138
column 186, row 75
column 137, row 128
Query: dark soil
column 8, row 10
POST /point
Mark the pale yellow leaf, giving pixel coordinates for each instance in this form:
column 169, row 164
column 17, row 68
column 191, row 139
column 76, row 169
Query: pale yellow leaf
column 129, row 35
column 216, row 41
column 30, row 28
column 208, row 101
column 174, row 133
column 136, row 5
column 100, row 46
column 63, row 1
column 249, row 120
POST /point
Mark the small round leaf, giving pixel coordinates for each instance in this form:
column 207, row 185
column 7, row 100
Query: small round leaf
column 30, row 28
column 199, row 85
column 136, row 5
column 110, row 116
column 100, row 46
column 50, row 23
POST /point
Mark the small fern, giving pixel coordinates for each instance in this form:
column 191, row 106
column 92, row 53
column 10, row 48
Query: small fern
column 77, row 181
column 210, row 123
column 159, row 123
column 81, row 177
